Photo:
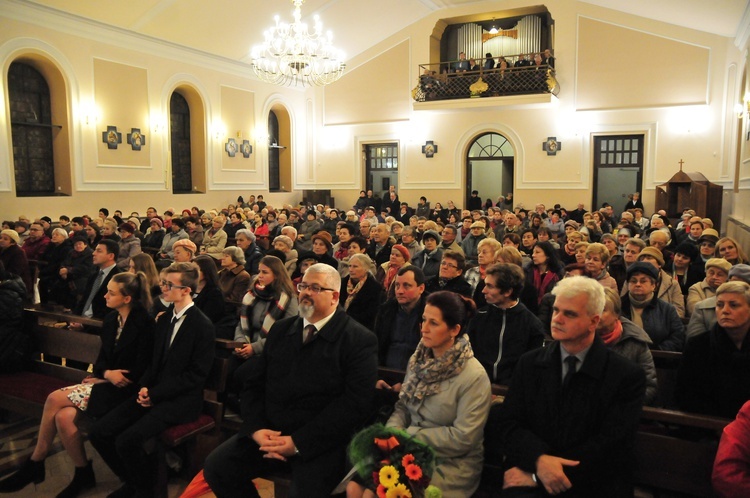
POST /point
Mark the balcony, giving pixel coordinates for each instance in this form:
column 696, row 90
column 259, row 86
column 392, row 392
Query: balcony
column 486, row 87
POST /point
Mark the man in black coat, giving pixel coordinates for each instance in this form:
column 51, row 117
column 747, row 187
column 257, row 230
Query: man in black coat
column 380, row 244
column 93, row 304
column 303, row 398
column 450, row 276
column 568, row 422
column 505, row 329
column 171, row 389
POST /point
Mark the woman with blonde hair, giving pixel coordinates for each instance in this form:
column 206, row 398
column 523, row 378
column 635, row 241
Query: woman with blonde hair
column 486, row 250
column 361, row 294
column 729, row 249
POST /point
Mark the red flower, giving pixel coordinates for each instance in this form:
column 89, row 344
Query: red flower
column 376, row 477
column 413, row 472
column 381, row 491
column 386, row 445
column 407, row 460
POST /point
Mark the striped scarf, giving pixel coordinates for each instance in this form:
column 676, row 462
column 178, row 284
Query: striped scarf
column 275, row 311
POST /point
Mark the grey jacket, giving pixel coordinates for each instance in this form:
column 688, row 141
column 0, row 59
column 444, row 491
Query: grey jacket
column 634, row 344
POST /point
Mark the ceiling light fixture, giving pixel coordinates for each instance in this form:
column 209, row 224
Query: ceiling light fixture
column 290, row 55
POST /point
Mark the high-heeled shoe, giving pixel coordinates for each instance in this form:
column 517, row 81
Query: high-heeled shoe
column 29, row 472
column 83, row 479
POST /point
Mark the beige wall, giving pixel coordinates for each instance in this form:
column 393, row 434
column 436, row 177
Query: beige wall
column 372, row 103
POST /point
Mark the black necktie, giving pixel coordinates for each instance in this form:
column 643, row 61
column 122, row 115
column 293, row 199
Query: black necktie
column 170, row 332
column 571, row 361
column 308, row 333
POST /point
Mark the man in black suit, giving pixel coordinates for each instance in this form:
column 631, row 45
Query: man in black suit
column 105, row 256
column 303, row 398
column 171, row 389
column 569, row 420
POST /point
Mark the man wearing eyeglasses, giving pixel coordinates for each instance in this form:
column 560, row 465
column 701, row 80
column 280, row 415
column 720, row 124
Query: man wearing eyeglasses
column 304, row 397
column 171, row 389
column 450, row 276
column 36, row 243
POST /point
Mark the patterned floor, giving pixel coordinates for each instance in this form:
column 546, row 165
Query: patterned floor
column 17, row 439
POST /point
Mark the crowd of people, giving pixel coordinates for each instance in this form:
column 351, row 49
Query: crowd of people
column 564, row 306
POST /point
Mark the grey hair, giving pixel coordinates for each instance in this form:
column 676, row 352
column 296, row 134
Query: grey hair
column 365, row 260
column 60, row 231
column 290, row 229
column 575, row 286
column 238, row 256
column 245, row 233
column 735, row 287
column 332, row 277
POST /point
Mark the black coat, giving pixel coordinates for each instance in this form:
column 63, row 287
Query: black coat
column 459, row 285
column 98, row 305
column 364, row 306
column 14, row 343
column 594, row 423
column 385, row 322
column 133, row 352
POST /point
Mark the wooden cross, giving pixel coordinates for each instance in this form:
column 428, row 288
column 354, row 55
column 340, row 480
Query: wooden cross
column 681, row 162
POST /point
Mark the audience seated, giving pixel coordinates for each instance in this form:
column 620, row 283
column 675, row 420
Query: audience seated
column 731, row 472
column 14, row 259
column 450, row 276
column 233, row 279
column 361, row 294
column 429, row 258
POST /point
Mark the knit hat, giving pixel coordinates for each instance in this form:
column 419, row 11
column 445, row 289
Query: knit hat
column 654, row 253
column 325, row 237
column 645, row 268
column 403, row 250
column 624, row 231
column 285, row 240
column 477, row 224
column 134, row 221
column 432, row 234
column 187, row 244
column 688, row 249
column 709, row 234
column 46, row 218
column 12, row 234
column 127, row 227
column 79, row 238
column 572, row 223
column 157, row 221
column 719, row 263
column 740, row 271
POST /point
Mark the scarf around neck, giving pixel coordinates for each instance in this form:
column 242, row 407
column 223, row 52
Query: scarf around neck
column 428, row 372
column 275, row 310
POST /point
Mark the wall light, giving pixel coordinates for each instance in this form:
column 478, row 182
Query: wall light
column 219, row 131
column 158, row 123
column 88, row 113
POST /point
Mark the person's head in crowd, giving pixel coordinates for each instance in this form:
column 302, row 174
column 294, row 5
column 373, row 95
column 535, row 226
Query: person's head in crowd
column 283, row 243
column 290, row 232
column 509, row 254
column 623, row 235
column 717, row 272
column 453, row 219
column 319, row 292
column 364, row 228
column 360, row 267
column 92, row 233
column 399, row 256
column 536, row 221
column 449, row 235
column 653, row 256
column 466, row 222
column 206, row 220
column 707, row 223
column 528, row 239
column 156, row 224
column 346, row 232
column 22, row 226
column 632, row 249
column 36, row 231
column 545, row 257
column 379, row 234
column 573, row 238
column 218, row 222
column 64, row 220
column 130, row 290
column 685, row 254
column 46, row 222
column 696, row 229
column 707, row 243
column 610, row 243
column 579, row 302
column 108, row 228
column 168, row 214
column 59, row 235
column 126, row 230
column 486, row 252
column 232, row 257
column 452, row 265
column 596, row 258
column 273, row 277
column 143, row 262
column 321, row 243
column 357, row 245
column 414, row 222
column 79, row 243
column 659, row 239
column 740, row 273
column 581, row 252
column 180, row 281
column 571, row 226
column 208, row 273
column 503, row 284
column 397, row 228
column 430, row 240
column 103, row 213
column 105, row 253
column 610, row 315
column 733, row 309
column 543, row 234
column 445, row 314
column 409, row 286
column 184, row 250
column 177, row 224
column 642, row 278
column 729, row 249
column 574, row 270
column 8, row 237
column 512, row 239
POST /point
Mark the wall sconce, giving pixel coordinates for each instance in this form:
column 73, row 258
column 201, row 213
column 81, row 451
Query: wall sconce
column 219, row 131
column 158, row 124
column 89, row 114
column 744, row 107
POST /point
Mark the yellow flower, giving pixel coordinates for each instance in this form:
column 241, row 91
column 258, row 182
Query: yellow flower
column 398, row 491
column 389, row 476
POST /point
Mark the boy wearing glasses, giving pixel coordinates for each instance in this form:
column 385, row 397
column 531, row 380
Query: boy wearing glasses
column 171, row 389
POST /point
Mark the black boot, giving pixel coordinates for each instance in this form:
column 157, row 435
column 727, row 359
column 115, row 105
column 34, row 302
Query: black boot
column 29, row 472
column 82, row 480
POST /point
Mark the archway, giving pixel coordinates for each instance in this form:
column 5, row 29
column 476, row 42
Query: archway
column 489, row 166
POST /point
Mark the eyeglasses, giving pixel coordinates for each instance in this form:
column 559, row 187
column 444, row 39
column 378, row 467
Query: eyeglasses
column 449, row 265
column 170, row 285
column 314, row 289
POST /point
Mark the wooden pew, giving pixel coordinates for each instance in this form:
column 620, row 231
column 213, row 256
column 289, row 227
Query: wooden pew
column 666, row 363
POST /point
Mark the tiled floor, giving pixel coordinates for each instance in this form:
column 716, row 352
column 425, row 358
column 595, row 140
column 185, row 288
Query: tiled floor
column 17, row 438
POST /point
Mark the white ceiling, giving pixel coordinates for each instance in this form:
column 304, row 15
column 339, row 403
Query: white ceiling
column 229, row 28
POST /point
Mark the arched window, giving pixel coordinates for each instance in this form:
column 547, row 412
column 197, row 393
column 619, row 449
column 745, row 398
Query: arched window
column 32, row 130
column 179, row 117
column 489, row 166
column 274, row 181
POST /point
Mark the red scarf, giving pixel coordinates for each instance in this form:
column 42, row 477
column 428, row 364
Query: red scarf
column 542, row 284
column 613, row 336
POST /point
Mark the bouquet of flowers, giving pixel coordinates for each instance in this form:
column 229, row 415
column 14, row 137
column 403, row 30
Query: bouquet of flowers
column 394, row 464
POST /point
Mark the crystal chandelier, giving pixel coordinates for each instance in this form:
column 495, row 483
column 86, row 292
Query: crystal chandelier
column 290, row 55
